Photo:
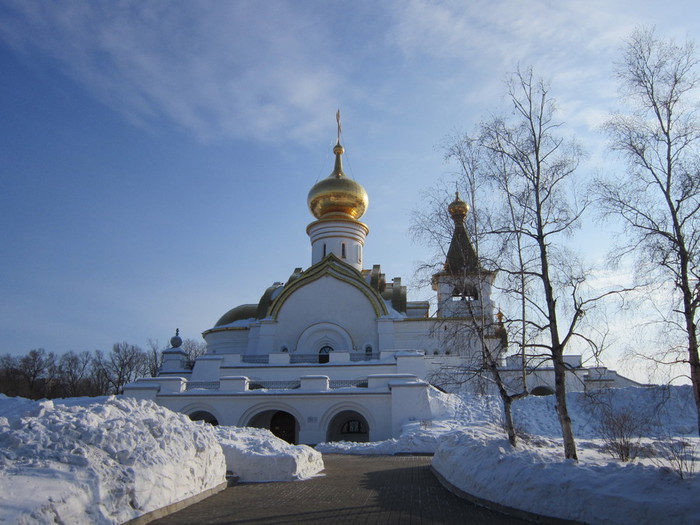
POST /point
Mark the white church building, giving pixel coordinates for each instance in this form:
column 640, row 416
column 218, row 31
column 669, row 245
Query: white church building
column 337, row 352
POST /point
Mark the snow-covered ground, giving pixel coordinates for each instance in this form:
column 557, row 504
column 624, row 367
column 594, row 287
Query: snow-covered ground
column 108, row 460
column 472, row 453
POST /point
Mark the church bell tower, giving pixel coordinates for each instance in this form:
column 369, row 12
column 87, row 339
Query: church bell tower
column 464, row 286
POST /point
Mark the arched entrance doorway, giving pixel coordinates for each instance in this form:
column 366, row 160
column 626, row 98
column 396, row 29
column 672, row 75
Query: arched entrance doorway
column 348, row 426
column 202, row 415
column 282, row 424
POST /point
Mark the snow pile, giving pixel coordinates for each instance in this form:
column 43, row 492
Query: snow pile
column 255, row 454
column 102, row 460
column 535, row 478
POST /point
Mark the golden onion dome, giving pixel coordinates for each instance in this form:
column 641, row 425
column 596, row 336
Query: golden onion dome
column 337, row 193
column 458, row 208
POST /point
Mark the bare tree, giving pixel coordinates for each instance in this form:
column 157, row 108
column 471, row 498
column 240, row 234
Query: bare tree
column 99, row 378
column 123, row 365
column 10, row 379
column 73, row 373
column 491, row 334
column 658, row 198
column 526, row 166
column 194, row 348
column 530, row 168
column 154, row 357
column 37, row 369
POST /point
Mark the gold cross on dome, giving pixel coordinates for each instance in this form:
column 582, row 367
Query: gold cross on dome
column 337, row 119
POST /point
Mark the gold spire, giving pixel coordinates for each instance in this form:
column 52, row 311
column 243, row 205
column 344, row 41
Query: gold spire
column 338, row 149
column 461, row 256
column 337, row 193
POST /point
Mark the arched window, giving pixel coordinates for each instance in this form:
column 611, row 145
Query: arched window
column 324, row 249
column 353, row 426
column 342, row 250
column 323, row 356
column 348, row 425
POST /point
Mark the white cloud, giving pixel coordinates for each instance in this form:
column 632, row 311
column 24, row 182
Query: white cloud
column 214, row 69
column 572, row 44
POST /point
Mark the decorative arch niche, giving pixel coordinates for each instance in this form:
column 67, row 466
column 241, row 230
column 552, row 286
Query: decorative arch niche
column 322, row 335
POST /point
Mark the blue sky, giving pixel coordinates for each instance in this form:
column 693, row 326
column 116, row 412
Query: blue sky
column 156, row 156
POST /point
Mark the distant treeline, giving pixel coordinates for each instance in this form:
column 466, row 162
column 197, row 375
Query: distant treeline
column 40, row 374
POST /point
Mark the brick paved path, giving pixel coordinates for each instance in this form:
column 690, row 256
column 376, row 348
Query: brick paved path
column 355, row 489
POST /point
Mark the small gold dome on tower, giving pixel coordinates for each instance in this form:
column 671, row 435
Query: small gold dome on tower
column 337, row 193
column 458, row 208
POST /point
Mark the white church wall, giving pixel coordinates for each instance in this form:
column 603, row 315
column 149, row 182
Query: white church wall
column 411, row 362
column 386, row 338
column 326, row 300
column 253, row 336
column 206, row 368
column 415, row 334
column 267, row 337
column 340, row 371
column 232, row 340
column 312, row 411
column 409, row 402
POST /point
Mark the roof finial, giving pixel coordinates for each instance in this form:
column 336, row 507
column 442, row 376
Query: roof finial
column 176, row 341
column 337, row 119
column 338, row 150
column 458, row 209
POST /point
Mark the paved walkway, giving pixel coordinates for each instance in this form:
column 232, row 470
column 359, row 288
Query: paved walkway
column 354, row 489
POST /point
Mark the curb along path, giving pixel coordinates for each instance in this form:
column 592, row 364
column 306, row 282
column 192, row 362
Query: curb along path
column 354, row 489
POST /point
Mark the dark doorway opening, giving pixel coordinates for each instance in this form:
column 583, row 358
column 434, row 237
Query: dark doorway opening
column 202, row 415
column 542, row 391
column 282, row 424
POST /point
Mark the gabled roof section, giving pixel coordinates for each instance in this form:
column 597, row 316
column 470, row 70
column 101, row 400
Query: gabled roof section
column 334, row 267
column 461, row 257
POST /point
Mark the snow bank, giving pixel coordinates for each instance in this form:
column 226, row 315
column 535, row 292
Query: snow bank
column 535, row 478
column 255, row 454
column 100, row 460
column 671, row 409
column 472, row 453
